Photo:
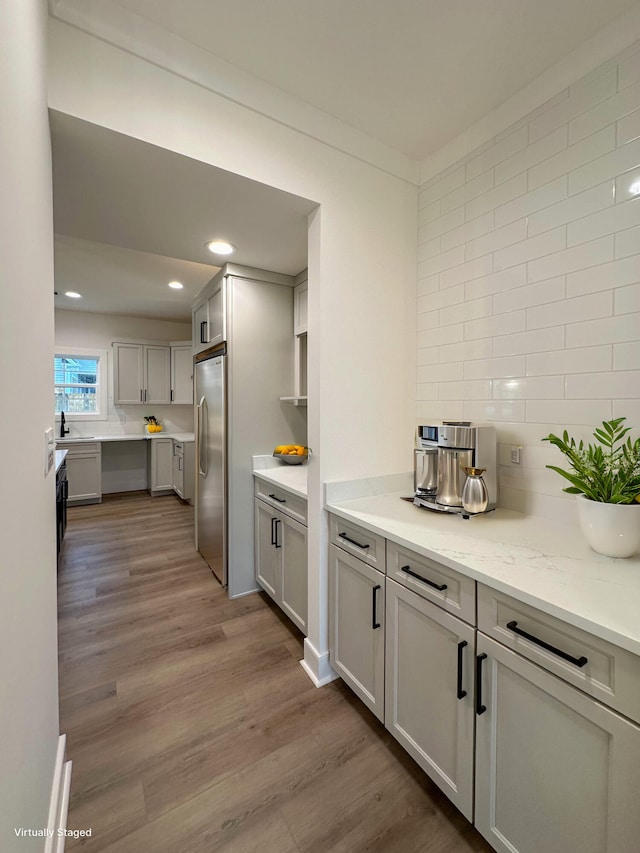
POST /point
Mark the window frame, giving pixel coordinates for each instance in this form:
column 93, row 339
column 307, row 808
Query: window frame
column 101, row 382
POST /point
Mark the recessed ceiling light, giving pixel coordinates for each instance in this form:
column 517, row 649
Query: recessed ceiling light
column 220, row 247
column 176, row 285
column 73, row 295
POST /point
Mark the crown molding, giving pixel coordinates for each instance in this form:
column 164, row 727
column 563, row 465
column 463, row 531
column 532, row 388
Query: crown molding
column 110, row 22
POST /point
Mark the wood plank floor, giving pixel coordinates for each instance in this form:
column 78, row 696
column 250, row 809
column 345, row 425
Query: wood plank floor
column 192, row 726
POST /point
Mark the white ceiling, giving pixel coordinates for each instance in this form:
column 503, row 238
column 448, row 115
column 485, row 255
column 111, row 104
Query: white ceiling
column 129, row 217
column 411, row 73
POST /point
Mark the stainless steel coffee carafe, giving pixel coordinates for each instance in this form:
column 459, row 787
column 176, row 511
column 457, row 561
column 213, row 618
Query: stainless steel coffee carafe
column 425, row 471
column 451, row 476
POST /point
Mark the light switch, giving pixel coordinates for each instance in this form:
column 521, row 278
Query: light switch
column 49, row 450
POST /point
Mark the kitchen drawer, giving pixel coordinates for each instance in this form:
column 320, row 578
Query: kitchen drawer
column 610, row 674
column 293, row 505
column 437, row 583
column 76, row 448
column 354, row 539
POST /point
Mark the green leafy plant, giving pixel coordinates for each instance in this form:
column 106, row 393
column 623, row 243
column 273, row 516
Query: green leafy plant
column 608, row 472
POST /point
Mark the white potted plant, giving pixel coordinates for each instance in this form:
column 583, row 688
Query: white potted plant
column 606, row 479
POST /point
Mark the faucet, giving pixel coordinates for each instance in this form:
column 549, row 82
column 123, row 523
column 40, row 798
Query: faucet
column 63, row 431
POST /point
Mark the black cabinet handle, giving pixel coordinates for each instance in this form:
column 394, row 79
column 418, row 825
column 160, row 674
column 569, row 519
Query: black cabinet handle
column 171, row 397
column 280, row 500
column 439, row 586
column 273, row 535
column 352, row 541
column 203, row 337
column 374, row 622
column 278, row 544
column 460, row 692
column 581, row 661
column 480, row 708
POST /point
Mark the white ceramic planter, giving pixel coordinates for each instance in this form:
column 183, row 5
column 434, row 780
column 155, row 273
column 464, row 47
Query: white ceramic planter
column 610, row 529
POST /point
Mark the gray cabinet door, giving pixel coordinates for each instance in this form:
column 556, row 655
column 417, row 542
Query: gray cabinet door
column 128, row 373
column 429, row 666
column 181, row 375
column 555, row 770
column 161, row 466
column 267, row 556
column 292, row 536
column 157, row 370
column 357, row 627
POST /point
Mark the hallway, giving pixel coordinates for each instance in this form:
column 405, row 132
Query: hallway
column 190, row 723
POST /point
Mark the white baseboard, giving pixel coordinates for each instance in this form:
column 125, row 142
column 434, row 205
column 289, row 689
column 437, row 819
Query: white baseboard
column 59, row 801
column 317, row 666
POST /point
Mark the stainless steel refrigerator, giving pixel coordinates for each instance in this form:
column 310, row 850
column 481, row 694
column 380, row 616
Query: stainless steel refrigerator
column 211, row 456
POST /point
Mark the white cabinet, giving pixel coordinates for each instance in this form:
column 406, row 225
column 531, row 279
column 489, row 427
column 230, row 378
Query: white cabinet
column 281, row 559
column 429, row 690
column 300, row 308
column 357, row 626
column 160, row 465
column 183, row 469
column 84, row 471
column 181, row 374
column 141, row 373
column 555, row 770
column 210, row 315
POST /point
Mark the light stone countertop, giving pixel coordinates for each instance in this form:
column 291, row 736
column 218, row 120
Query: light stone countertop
column 545, row 564
column 59, row 459
column 82, row 439
column 291, row 478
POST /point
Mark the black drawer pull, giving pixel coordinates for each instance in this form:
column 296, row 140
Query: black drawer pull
column 480, row 708
column 280, row 500
column 460, row 692
column 439, row 586
column 352, row 541
column 513, row 626
column 374, row 622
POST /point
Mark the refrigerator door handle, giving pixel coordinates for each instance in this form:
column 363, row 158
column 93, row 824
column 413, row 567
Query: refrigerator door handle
column 203, row 467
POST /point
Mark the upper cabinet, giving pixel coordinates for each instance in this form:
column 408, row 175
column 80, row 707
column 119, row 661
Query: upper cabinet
column 300, row 309
column 152, row 373
column 210, row 315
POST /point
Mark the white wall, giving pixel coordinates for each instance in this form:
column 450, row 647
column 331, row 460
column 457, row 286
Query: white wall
column 529, row 280
column 85, row 330
column 28, row 640
column 362, row 256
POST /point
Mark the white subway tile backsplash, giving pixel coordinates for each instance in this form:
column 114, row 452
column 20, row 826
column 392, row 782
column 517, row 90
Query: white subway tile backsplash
column 469, row 231
column 581, row 98
column 494, row 198
column 605, row 113
column 548, row 243
column 575, row 258
column 561, row 362
column 627, row 300
column 533, row 294
column 607, row 166
column 603, row 386
column 628, row 128
column 490, row 327
column 616, row 218
column 626, row 356
column 526, row 342
column 494, row 368
column 466, row 272
column 529, row 280
column 574, row 207
column 529, row 388
column 497, row 153
column 589, row 307
column 531, row 155
column 627, row 242
column 573, row 157
column 468, row 191
column 538, row 199
column 562, row 412
column 610, row 330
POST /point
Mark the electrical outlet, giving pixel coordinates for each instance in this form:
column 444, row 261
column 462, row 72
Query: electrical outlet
column 49, row 450
column 516, row 455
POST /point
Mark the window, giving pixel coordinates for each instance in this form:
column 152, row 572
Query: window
column 79, row 385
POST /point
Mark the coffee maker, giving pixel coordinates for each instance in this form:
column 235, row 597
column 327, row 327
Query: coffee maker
column 443, row 452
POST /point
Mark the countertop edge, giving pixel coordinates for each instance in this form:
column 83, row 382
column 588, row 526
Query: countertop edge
column 280, row 477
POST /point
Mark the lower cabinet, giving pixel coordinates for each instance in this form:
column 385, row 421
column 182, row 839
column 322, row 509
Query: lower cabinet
column 160, row 465
column 183, row 469
column 281, row 560
column 429, row 690
column 555, row 770
column 84, row 472
column 357, row 626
